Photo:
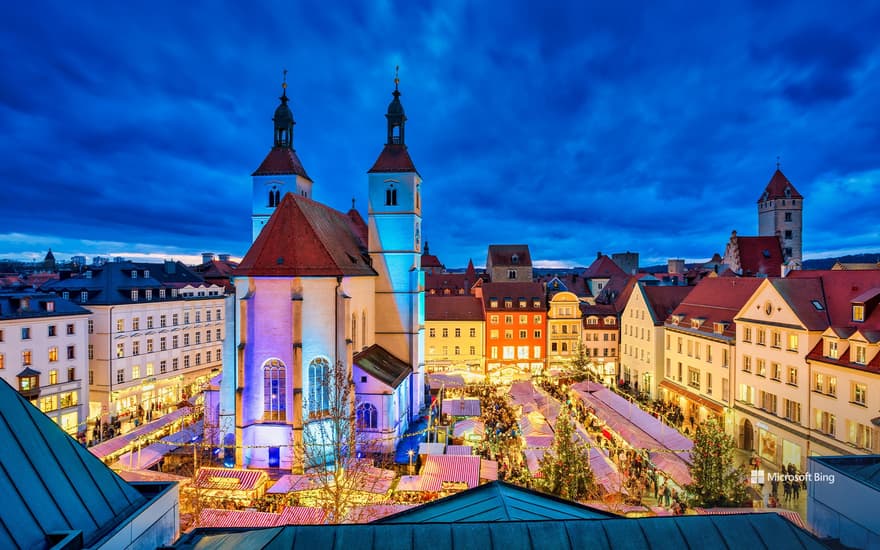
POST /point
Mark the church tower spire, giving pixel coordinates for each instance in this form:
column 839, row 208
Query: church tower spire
column 780, row 213
column 283, row 119
column 394, row 243
column 396, row 116
column 281, row 172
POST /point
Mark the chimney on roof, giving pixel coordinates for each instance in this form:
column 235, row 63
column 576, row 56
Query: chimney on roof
column 207, row 257
column 598, row 254
column 223, row 257
column 675, row 267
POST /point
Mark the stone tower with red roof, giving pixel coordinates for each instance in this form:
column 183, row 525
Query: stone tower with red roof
column 394, row 243
column 280, row 172
column 780, row 213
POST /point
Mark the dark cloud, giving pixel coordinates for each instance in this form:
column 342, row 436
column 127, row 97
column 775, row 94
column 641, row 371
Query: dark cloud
column 574, row 127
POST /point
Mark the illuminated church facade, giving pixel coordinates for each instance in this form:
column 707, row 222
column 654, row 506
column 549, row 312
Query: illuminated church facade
column 320, row 288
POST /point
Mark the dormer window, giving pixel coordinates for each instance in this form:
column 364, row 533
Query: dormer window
column 514, row 259
column 50, row 306
column 65, row 295
column 610, row 320
column 146, row 274
column 860, row 355
column 134, row 295
column 697, row 322
column 718, row 328
column 493, row 302
column 831, row 349
column 858, row 313
column 508, row 303
column 523, row 303
column 88, row 274
column 134, row 274
column 676, row 319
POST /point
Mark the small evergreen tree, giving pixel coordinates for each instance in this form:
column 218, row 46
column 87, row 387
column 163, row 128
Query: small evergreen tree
column 717, row 480
column 565, row 469
column 579, row 366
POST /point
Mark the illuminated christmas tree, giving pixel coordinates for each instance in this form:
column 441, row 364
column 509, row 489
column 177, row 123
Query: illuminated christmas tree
column 717, row 480
column 565, row 469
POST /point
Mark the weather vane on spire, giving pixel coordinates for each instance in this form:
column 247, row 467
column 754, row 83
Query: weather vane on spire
column 284, row 81
column 777, row 162
column 396, row 78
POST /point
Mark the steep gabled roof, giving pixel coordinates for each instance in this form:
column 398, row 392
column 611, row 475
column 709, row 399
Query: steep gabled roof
column 760, row 256
column 394, row 158
column 662, row 300
column 50, row 483
column 779, row 188
column 281, row 161
column 453, row 308
column 514, row 291
column 603, row 267
column 502, row 254
column 806, row 298
column 841, row 289
column 304, row 238
column 716, row 300
column 382, row 365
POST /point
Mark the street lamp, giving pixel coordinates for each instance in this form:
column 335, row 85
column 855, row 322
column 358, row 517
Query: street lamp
column 410, row 461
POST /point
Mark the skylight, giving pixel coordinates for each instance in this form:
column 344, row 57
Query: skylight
column 817, row 304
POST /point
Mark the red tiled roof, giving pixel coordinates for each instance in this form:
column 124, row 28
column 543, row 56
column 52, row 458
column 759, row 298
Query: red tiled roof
column 304, row 238
column 802, row 296
column 816, row 354
column 455, row 282
column 394, row 158
column 776, row 188
column 453, row 308
column 430, row 260
column 840, row 289
column 572, row 282
column 716, row 300
column 602, row 267
column 662, row 300
column 281, row 161
column 502, row 254
column 359, row 225
column 760, row 256
column 514, row 291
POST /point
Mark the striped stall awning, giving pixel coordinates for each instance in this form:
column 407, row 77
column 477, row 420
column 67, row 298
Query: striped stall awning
column 230, row 479
column 111, row 446
column 211, row 517
column 460, row 450
column 449, row 468
column 301, row 515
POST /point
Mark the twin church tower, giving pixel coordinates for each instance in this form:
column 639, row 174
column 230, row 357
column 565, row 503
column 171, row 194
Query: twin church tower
column 320, row 288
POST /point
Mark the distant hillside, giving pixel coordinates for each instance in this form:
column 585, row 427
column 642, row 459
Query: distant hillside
column 817, row 263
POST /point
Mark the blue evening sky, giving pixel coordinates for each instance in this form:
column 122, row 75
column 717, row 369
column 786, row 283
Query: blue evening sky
column 132, row 128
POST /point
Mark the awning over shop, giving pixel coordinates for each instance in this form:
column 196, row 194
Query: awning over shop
column 109, row 447
column 708, row 403
column 149, row 456
column 469, row 407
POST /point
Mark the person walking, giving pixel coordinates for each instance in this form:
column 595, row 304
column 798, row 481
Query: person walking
column 667, row 494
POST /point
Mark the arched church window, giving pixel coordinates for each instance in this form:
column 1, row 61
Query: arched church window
column 367, row 416
column 319, row 387
column 391, row 196
column 277, row 197
column 274, row 393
